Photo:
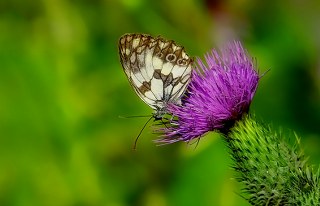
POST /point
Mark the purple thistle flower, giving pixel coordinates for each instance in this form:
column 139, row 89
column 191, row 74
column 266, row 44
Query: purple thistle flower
column 219, row 94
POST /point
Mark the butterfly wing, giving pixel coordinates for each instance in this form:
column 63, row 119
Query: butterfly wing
column 159, row 70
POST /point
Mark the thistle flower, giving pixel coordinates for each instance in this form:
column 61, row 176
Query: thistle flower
column 220, row 92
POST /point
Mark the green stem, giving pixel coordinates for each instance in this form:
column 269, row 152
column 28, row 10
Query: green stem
column 272, row 171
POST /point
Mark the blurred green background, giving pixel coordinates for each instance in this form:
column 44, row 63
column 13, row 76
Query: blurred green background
column 62, row 89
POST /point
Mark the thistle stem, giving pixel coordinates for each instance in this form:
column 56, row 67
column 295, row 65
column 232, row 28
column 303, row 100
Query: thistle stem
column 272, row 171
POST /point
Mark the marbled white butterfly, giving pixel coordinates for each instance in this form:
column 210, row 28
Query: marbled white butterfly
column 159, row 70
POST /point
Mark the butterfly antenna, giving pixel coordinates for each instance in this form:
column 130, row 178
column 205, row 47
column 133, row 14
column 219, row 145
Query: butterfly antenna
column 264, row 73
column 134, row 116
column 144, row 126
column 165, row 124
column 197, row 143
column 190, row 142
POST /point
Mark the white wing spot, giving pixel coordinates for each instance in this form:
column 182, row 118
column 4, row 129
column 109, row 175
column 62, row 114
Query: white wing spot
column 136, row 81
column 177, row 88
column 168, row 89
column 127, row 51
column 133, row 58
column 140, row 49
column 178, row 71
column 185, row 78
column 166, row 69
column 161, row 44
column 129, row 38
column 150, row 95
column 148, row 63
column 135, row 43
column 137, row 78
column 157, row 88
column 157, row 63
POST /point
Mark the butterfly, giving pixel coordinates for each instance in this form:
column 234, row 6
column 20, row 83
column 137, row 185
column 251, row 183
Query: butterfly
column 159, row 70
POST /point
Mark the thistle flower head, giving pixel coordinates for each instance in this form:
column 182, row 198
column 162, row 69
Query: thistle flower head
column 219, row 93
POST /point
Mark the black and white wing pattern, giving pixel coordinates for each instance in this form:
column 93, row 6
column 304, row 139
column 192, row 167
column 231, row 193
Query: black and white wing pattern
column 159, row 70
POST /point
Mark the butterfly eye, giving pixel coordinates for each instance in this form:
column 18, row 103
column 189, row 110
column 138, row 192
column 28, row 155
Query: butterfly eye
column 171, row 57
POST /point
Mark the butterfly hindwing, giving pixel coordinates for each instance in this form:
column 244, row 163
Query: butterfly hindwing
column 159, row 70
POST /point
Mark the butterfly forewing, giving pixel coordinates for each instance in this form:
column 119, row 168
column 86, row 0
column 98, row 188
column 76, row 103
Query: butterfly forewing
column 159, row 70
